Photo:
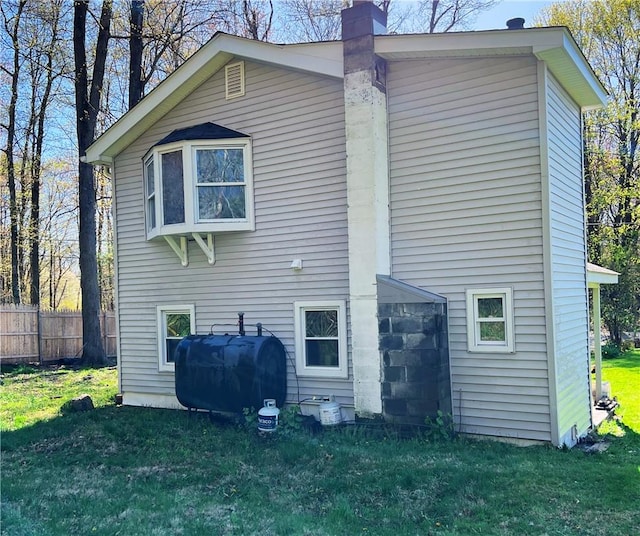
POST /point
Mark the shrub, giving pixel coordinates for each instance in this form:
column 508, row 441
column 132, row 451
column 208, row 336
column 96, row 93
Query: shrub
column 610, row 351
column 440, row 427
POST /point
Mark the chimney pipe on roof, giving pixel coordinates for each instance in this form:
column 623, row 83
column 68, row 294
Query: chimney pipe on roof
column 515, row 24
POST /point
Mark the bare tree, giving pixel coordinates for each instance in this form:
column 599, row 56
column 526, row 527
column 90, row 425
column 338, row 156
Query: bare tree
column 12, row 28
column 257, row 19
column 87, row 108
column 246, row 18
column 155, row 38
column 319, row 20
column 33, row 33
column 136, row 84
column 435, row 16
column 45, row 69
column 312, row 20
column 59, row 234
column 104, row 239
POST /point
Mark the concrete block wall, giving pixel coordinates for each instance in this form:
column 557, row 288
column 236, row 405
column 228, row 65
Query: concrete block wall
column 413, row 343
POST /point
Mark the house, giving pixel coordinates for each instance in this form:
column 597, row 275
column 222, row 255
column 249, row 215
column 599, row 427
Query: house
column 404, row 212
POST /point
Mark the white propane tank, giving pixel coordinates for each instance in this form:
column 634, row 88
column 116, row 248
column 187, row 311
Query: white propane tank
column 330, row 413
column 268, row 416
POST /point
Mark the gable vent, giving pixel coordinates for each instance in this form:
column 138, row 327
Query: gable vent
column 234, row 80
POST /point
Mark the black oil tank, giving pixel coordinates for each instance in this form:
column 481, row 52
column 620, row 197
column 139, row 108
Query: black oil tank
column 228, row 373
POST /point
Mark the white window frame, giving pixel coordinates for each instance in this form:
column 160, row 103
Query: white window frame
column 474, row 344
column 162, row 311
column 302, row 369
column 150, row 196
column 191, row 220
column 244, row 184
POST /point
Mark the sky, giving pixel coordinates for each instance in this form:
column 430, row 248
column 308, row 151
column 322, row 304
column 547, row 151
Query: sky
column 497, row 17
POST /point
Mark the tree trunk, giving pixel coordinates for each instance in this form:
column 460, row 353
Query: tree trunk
column 34, row 218
column 87, row 106
column 11, row 171
column 92, row 350
column 135, row 53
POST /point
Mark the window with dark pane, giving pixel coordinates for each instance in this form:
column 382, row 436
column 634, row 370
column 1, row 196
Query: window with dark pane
column 151, row 194
column 491, row 319
column 220, row 183
column 178, row 326
column 172, row 188
column 321, row 338
column 492, row 331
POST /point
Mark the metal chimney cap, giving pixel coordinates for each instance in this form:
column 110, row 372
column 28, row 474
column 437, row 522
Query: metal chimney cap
column 515, row 24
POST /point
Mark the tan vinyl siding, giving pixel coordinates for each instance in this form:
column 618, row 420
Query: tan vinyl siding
column 296, row 123
column 568, row 249
column 466, row 213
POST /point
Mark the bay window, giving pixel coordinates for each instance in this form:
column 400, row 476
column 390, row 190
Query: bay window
column 199, row 185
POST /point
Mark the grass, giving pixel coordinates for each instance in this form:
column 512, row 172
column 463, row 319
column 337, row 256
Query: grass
column 623, row 373
column 34, row 395
column 140, row 471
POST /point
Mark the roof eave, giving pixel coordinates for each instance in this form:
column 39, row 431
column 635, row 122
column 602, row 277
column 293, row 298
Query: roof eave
column 325, row 59
column 554, row 46
column 598, row 275
column 567, row 63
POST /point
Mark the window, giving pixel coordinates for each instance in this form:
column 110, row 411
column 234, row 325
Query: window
column 172, row 180
column 220, row 183
column 321, row 339
column 174, row 323
column 205, row 186
column 151, row 194
column 490, row 320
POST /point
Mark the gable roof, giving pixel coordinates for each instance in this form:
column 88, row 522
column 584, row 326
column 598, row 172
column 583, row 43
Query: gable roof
column 554, row 46
column 320, row 58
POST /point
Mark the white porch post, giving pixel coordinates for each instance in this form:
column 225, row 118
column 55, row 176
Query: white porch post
column 596, row 276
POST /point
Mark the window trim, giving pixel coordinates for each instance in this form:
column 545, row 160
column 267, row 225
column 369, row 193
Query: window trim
column 161, row 328
column 191, row 218
column 245, row 183
column 473, row 321
column 302, row 369
column 150, row 219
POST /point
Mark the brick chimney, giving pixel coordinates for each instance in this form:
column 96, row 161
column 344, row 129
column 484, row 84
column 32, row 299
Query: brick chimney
column 367, row 193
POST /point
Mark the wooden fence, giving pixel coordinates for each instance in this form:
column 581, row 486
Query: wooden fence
column 28, row 335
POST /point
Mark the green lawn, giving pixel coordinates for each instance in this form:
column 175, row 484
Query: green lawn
column 623, row 373
column 139, row 471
